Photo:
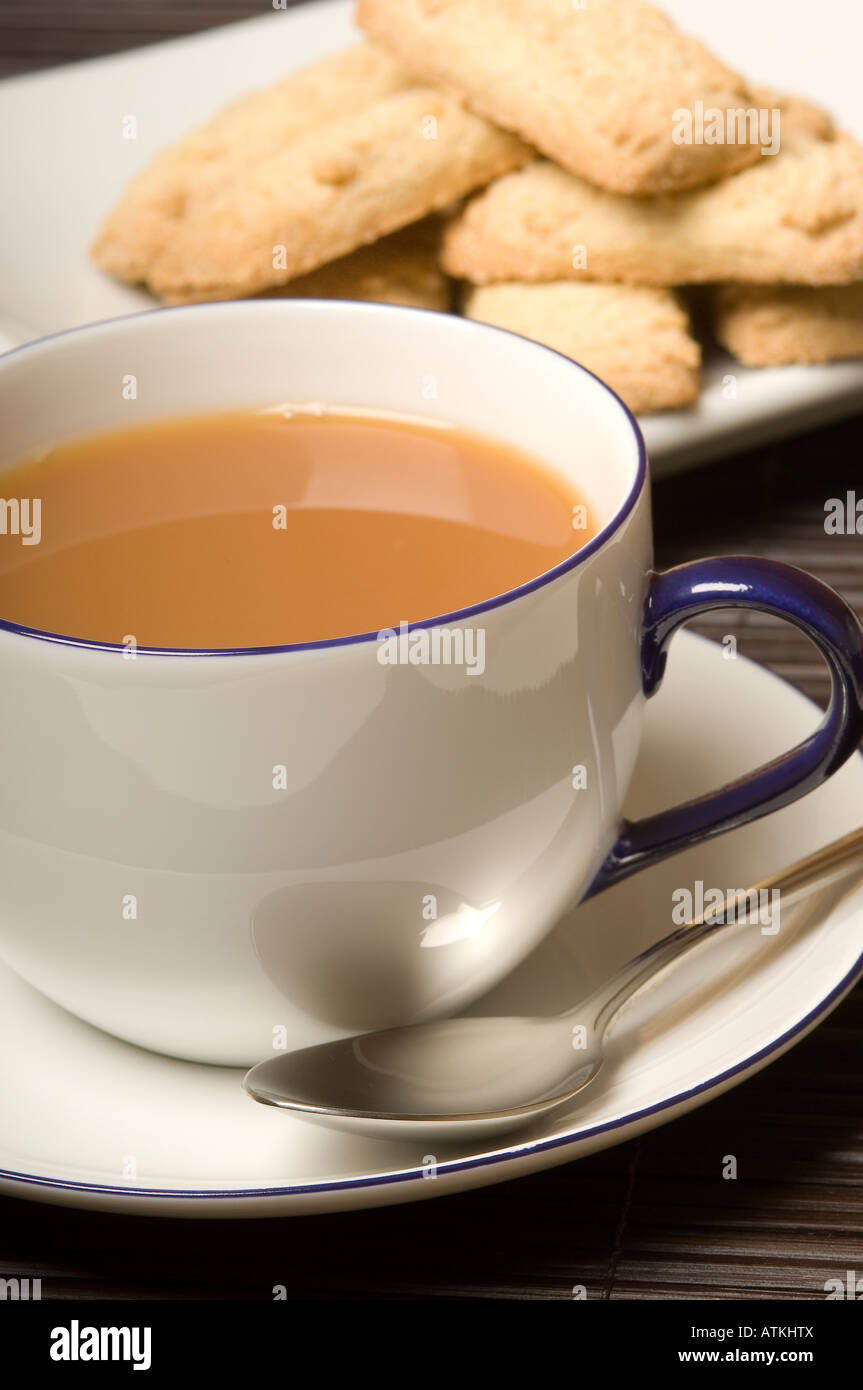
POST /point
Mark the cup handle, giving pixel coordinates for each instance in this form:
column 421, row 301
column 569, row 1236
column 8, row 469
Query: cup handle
column 739, row 581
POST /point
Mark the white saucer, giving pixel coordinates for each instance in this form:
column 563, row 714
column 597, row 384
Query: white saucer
column 90, row 1121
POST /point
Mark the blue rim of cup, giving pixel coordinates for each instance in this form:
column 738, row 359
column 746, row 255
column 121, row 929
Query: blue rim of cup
column 572, row 562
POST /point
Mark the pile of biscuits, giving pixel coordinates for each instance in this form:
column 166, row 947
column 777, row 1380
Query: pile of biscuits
column 560, row 168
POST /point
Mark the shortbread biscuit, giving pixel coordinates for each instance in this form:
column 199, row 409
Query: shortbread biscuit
column 331, row 191
column 635, row 339
column 598, row 87
column 399, row 269
column 186, row 174
column 796, row 113
column 797, row 217
column 775, row 326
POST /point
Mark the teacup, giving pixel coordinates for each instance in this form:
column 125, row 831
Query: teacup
column 432, row 822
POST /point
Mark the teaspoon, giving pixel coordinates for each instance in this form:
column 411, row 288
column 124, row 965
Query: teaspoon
column 463, row 1077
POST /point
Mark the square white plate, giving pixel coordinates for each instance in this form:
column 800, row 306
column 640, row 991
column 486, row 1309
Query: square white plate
column 64, row 161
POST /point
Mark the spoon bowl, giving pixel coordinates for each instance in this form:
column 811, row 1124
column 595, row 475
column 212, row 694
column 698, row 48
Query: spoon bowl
column 434, row 1079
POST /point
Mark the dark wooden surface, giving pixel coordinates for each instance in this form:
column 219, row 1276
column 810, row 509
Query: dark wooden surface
column 652, row 1219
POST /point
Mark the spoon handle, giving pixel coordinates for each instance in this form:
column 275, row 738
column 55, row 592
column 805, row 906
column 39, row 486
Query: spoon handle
column 795, row 884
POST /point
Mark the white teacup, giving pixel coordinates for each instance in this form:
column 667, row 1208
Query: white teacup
column 156, row 877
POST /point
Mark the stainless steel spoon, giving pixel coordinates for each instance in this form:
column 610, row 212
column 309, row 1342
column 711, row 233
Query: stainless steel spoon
column 465, row 1077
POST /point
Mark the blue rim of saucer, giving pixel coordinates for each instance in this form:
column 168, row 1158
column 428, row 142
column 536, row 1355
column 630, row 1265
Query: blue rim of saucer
column 470, row 326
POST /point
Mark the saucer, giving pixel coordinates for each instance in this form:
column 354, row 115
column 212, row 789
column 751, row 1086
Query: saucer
column 90, row 1121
